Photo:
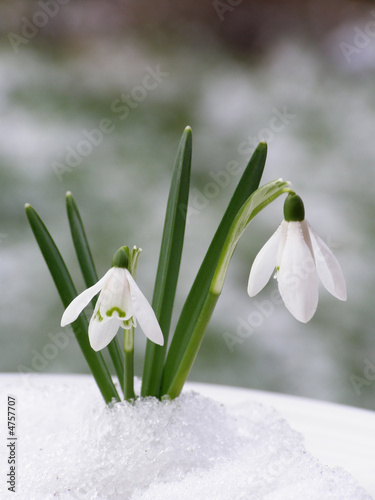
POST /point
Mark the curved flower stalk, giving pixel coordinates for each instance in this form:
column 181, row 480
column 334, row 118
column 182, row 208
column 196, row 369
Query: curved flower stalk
column 184, row 350
column 120, row 304
column 300, row 258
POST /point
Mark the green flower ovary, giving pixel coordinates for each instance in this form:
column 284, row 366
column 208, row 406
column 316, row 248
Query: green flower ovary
column 293, row 208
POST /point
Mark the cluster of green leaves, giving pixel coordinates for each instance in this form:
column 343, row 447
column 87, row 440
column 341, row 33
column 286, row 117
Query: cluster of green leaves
column 165, row 369
column 67, row 292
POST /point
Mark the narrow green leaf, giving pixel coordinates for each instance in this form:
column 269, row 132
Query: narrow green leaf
column 257, row 201
column 80, row 242
column 89, row 273
column 199, row 302
column 169, row 263
column 67, row 292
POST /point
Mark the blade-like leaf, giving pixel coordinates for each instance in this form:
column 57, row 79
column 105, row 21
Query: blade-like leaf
column 80, row 242
column 89, row 273
column 67, row 292
column 199, row 298
column 169, row 263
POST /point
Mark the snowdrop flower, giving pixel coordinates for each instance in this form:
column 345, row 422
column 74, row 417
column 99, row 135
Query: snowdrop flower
column 119, row 304
column 300, row 257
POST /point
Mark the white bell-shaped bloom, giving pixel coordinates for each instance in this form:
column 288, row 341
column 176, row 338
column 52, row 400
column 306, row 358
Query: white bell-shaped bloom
column 300, row 257
column 119, row 304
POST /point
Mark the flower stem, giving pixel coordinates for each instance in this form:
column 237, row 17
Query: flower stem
column 181, row 359
column 129, row 364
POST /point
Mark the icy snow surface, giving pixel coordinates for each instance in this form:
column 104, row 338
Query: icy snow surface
column 70, row 446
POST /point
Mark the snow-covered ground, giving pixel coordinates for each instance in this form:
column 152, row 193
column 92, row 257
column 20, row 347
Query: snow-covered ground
column 67, row 444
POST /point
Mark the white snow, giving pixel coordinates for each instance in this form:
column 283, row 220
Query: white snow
column 70, row 446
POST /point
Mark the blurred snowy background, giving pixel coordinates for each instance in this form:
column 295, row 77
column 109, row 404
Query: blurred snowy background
column 299, row 75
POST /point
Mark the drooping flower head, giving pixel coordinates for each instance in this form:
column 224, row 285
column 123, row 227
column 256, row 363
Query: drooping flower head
column 119, row 305
column 300, row 257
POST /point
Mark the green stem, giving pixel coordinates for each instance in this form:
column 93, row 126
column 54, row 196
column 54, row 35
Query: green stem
column 129, row 393
column 268, row 193
column 117, row 361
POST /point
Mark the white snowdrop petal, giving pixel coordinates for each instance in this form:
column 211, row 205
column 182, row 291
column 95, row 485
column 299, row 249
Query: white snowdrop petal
column 144, row 313
column 102, row 332
column 329, row 270
column 116, row 294
column 264, row 264
column 77, row 305
column 297, row 277
column 280, row 250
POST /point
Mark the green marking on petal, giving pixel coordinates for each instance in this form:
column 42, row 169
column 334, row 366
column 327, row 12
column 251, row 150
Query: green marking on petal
column 120, row 312
column 98, row 315
column 129, row 323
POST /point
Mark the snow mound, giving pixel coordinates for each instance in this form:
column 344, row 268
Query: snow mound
column 70, row 446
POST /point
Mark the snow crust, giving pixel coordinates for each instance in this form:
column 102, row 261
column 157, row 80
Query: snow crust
column 70, row 446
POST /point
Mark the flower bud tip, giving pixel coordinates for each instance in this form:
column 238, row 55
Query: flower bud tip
column 120, row 259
